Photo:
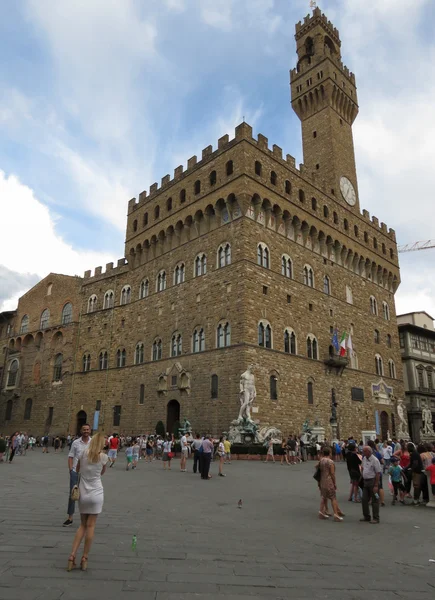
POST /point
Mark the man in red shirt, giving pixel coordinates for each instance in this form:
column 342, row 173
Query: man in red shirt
column 113, row 448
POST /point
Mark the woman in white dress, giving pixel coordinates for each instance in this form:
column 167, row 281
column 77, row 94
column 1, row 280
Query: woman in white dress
column 91, row 465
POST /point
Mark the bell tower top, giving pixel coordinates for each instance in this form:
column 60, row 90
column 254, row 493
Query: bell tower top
column 324, row 96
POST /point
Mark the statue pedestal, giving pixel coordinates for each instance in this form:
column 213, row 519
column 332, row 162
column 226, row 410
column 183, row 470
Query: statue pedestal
column 318, row 432
column 368, row 434
column 426, row 438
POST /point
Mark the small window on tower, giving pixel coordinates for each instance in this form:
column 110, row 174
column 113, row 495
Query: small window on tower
column 317, row 166
column 314, row 134
column 335, row 218
column 346, row 225
column 301, row 196
column 366, row 237
column 313, row 203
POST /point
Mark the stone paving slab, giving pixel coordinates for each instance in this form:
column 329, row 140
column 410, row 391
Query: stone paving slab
column 193, row 541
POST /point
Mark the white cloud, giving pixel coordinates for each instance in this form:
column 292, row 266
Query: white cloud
column 33, row 248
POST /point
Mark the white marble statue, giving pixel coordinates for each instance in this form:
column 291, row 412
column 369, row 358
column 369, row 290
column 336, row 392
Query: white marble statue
column 248, row 393
column 426, row 418
column 403, row 432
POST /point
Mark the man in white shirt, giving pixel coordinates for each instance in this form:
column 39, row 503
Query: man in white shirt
column 371, row 472
column 77, row 447
column 184, row 452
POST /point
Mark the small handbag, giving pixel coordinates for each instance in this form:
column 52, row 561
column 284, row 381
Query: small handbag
column 171, row 454
column 75, row 492
column 317, row 474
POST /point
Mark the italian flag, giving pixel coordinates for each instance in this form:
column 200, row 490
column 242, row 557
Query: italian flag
column 343, row 344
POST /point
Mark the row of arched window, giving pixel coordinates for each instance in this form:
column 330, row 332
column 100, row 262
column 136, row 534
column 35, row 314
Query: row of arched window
column 44, row 320
column 258, row 168
column 379, row 367
column 14, row 366
column 197, row 186
column 179, row 275
column 223, row 339
column 374, row 308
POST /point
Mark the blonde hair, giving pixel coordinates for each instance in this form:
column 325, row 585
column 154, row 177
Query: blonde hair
column 95, row 447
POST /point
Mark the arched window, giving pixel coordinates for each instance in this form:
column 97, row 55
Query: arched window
column 257, row 167
column 429, row 372
column 67, row 313
column 8, row 411
column 375, row 243
column 388, row 340
column 301, row 196
column 420, row 377
column 86, row 363
column 121, row 357
column 384, row 250
column 313, row 203
column 223, row 337
column 310, row 392
column 392, row 368
column 28, row 409
column 308, row 276
column 379, row 365
column 273, row 386
column 273, row 178
column 157, row 349
column 391, row 253
column 92, row 304
column 366, row 237
column 156, row 212
column 355, row 230
column 169, row 204
column 161, row 281
column 312, row 348
column 346, row 224
column 214, row 387
column 197, row 187
column 24, row 324
column 386, row 311
column 179, row 274
column 135, row 225
column 45, row 319
column 49, row 288
column 349, row 295
column 57, row 372
column 264, row 334
column 142, row 393
column 13, row 373
column 182, row 196
column 125, row 294
column 176, row 344
column 286, row 266
column 213, row 178
column 224, row 255
column 229, row 167
column 335, row 218
column 326, row 285
column 377, row 337
column 103, row 360
column 108, row 299
column 139, row 354
column 373, row 305
column 144, row 289
column 200, row 265
column 263, row 255
column 145, row 219
column 288, row 187
column 289, row 341
column 198, row 340
column 325, row 211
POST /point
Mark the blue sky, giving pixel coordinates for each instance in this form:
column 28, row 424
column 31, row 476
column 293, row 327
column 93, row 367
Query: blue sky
column 100, row 98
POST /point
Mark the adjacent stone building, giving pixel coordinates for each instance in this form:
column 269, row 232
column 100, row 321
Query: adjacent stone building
column 241, row 258
column 417, row 344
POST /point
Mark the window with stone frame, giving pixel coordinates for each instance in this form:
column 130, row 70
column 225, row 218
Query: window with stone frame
column 139, row 354
column 429, row 375
column 263, row 256
column 103, row 360
column 224, row 255
column 229, row 167
column 198, row 340
column 200, row 265
column 386, row 311
column 286, row 266
column 24, row 324
column 157, row 349
column 420, row 377
column 223, row 335
column 312, row 347
column 179, row 274
column 161, row 281
column 86, row 363
column 121, row 357
column 373, row 306
column 214, row 392
column 308, row 276
column 392, row 368
column 273, row 386
column 13, row 373
column 125, row 295
column 45, row 319
column 264, row 334
column 92, row 304
column 379, row 365
column 141, row 393
column 108, row 299
column 326, row 285
column 144, row 289
column 57, row 371
column 289, row 341
column 176, row 344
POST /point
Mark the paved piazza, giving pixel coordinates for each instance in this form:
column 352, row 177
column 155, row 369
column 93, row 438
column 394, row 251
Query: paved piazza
column 194, row 542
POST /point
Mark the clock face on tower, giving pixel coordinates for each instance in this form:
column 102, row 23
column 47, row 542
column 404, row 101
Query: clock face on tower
column 347, row 191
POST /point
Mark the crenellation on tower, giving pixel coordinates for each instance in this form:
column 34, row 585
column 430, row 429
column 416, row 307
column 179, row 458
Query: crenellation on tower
column 262, row 142
column 192, row 162
column 223, row 141
column 207, row 152
column 178, row 171
column 165, row 180
column 277, row 151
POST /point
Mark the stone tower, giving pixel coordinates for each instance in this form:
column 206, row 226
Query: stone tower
column 323, row 93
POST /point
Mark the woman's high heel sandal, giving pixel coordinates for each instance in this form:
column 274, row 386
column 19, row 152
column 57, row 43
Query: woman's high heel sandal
column 338, row 519
column 71, row 563
column 84, row 563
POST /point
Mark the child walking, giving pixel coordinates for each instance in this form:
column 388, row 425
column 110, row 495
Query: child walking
column 396, row 473
column 136, row 452
column 129, row 456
